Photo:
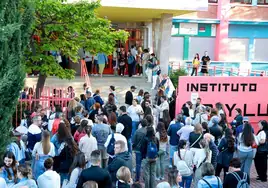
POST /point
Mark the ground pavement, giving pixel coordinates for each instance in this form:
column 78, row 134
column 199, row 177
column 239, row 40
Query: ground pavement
column 122, row 85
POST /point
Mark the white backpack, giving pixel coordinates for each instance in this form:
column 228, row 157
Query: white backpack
column 182, row 167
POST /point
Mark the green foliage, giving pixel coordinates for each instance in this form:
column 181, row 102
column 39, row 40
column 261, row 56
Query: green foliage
column 15, row 23
column 174, row 76
column 66, row 28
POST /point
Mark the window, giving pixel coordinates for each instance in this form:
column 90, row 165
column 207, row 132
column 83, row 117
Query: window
column 214, row 1
column 241, row 1
column 262, row 2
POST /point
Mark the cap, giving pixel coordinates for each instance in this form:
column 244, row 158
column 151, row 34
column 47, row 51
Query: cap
column 245, row 119
column 133, row 87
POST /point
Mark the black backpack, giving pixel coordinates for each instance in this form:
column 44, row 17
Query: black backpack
column 110, row 147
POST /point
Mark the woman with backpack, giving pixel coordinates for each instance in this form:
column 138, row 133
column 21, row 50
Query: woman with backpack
column 226, row 149
column 131, row 63
column 183, row 160
column 162, row 136
column 149, row 152
column 209, row 179
column 260, row 159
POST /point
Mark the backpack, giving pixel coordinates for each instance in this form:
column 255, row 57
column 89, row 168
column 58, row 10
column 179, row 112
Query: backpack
column 152, row 151
column 110, row 147
column 209, row 183
column 183, row 168
column 242, row 183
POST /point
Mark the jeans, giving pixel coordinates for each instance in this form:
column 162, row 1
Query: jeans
column 160, row 168
column 186, row 181
column 135, row 125
column 149, row 173
column 138, row 165
column 172, row 150
column 129, row 146
column 246, row 159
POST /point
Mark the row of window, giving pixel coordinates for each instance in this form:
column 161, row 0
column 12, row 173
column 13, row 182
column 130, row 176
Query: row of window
column 260, row 2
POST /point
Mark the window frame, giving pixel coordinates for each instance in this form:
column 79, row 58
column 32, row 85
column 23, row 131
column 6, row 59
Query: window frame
column 212, row 1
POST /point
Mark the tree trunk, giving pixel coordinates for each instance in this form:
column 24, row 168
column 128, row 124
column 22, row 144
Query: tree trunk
column 40, row 85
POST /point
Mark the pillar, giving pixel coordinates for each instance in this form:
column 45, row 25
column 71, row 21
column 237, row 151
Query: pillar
column 221, row 44
column 155, row 34
column 164, row 41
column 251, row 49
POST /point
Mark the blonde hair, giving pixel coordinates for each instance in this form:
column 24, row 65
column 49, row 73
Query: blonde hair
column 72, row 104
column 46, row 142
column 90, row 184
column 198, row 129
column 124, row 174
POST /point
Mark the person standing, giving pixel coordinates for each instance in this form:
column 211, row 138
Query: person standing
column 122, row 62
column 115, row 61
column 196, row 64
column 34, row 132
column 102, row 61
column 89, row 102
column 134, row 53
column 131, row 63
column 95, row 173
column 101, row 132
column 88, row 59
column 129, row 96
column 24, row 174
column 151, row 64
column 205, row 63
column 260, row 159
column 163, row 106
column 95, row 58
column 145, row 59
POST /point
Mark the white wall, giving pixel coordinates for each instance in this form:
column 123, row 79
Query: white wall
column 261, row 50
column 176, row 49
column 238, row 49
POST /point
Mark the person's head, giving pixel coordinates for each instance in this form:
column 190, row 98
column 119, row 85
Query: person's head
column 112, row 119
column 136, row 184
column 213, row 112
column 144, row 123
column 173, row 176
column 70, row 89
column 162, row 132
column 179, row 118
column 78, row 109
column 72, row 104
column 24, row 171
column 88, row 130
column 203, row 144
column 189, row 104
column 196, row 56
column 208, row 137
column 111, row 88
column 48, row 164
column 30, row 91
column 140, row 92
column 99, row 118
column 235, row 164
column 238, row 111
column 163, row 184
column 78, row 161
column 90, row 184
column 46, row 142
column 97, row 92
column 83, row 97
column 207, row 169
column 85, row 114
column 111, row 100
column 77, row 99
column 97, row 106
column 124, row 174
column 181, row 145
column 83, row 125
column 150, row 119
column 219, row 106
column 263, row 125
column 188, row 121
column 205, row 127
column 134, row 102
column 37, row 120
column 163, row 98
column 150, row 132
column 95, row 158
column 122, row 110
column 133, row 88
column 201, row 109
column 198, row 129
column 206, row 53
column 228, row 132
column 247, row 135
column 119, row 147
column 198, row 101
column 63, row 132
column 88, row 93
column 9, row 159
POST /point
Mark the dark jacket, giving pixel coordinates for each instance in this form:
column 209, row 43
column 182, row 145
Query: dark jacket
column 121, row 185
column 108, row 108
column 231, row 182
column 145, row 144
column 225, row 155
column 98, row 99
column 121, row 159
column 139, row 136
column 97, row 174
column 216, row 131
column 172, row 132
column 129, row 98
column 193, row 137
column 127, row 122
column 214, row 150
column 63, row 162
column 172, row 109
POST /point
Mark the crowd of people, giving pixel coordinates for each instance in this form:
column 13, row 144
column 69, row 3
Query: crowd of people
column 97, row 143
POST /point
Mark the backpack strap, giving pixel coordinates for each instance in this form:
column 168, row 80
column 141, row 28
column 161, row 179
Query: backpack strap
column 237, row 177
column 218, row 181
column 207, row 182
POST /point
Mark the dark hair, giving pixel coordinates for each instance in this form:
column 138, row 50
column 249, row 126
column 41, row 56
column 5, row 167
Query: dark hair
column 166, row 118
column 111, row 99
column 230, row 140
column 190, row 104
column 207, row 169
column 78, row 161
column 199, row 99
column 83, row 97
column 111, row 94
column 112, row 119
column 13, row 166
column 205, row 127
column 179, row 118
column 239, row 110
column 123, row 108
column 181, row 145
column 88, row 130
column 235, row 162
column 48, row 163
column 112, row 88
column 162, row 132
column 58, row 108
column 63, row 132
column 213, row 112
column 78, row 108
column 144, row 123
column 72, row 146
column 164, row 97
column 85, row 113
column 247, row 135
column 140, row 92
column 150, row 133
column 172, row 176
column 150, row 120
column 264, row 126
column 136, row 100
column 82, row 126
column 219, row 106
column 25, row 170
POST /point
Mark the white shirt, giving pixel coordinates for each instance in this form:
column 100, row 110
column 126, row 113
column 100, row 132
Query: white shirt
column 134, row 111
column 261, row 136
column 134, row 52
column 185, row 131
column 162, row 145
column 186, row 155
column 49, row 179
column 242, row 147
column 117, row 136
column 38, row 149
column 87, row 145
column 3, row 183
column 163, row 106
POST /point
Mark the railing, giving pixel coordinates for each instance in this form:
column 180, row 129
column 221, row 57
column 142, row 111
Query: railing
column 84, row 74
column 220, row 70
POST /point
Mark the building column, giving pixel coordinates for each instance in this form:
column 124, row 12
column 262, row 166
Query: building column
column 251, row 49
column 164, row 42
column 221, row 43
column 155, row 34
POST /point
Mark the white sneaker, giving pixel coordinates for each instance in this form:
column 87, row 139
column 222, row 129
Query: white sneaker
column 157, row 179
column 161, row 178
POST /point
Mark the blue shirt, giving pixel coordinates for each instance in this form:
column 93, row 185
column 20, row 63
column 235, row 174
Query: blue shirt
column 172, row 132
column 89, row 103
column 101, row 133
column 102, row 58
column 213, row 181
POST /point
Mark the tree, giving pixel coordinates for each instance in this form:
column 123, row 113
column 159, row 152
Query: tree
column 15, row 25
column 66, row 28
